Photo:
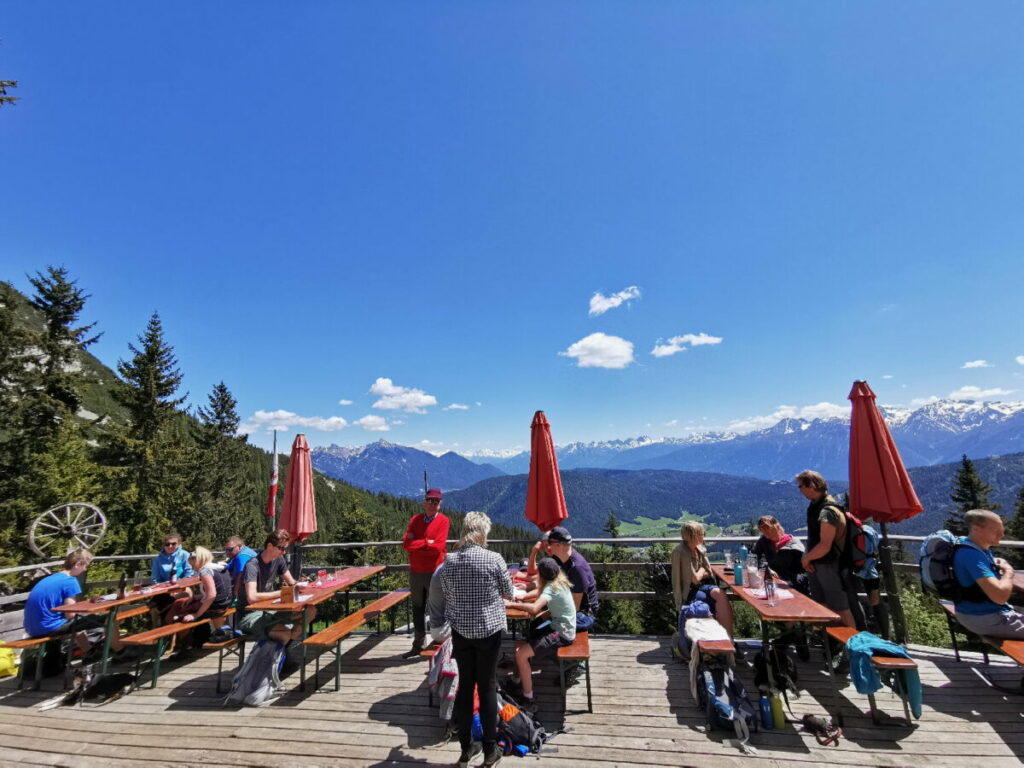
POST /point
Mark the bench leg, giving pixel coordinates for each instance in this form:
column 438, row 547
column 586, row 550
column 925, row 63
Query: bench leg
column 952, row 636
column 590, row 703
column 837, row 718
column 337, row 667
column 161, row 646
column 874, row 708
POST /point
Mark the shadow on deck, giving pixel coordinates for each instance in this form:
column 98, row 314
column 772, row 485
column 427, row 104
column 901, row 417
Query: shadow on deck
column 643, row 716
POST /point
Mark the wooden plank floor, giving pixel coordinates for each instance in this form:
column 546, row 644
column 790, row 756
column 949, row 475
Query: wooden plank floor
column 643, row 716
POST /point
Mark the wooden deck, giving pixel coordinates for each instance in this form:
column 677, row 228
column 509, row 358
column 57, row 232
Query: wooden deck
column 643, row 716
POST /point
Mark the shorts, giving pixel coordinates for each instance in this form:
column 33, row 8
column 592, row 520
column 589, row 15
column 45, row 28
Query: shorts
column 828, row 587
column 547, row 640
column 258, row 623
column 1004, row 624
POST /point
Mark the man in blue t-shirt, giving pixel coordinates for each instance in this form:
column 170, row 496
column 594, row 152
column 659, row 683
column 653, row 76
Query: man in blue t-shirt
column 576, row 567
column 238, row 555
column 987, row 581
column 57, row 589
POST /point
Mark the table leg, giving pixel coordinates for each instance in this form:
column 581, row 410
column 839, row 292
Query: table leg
column 302, row 642
column 111, row 629
column 837, row 717
column 767, row 656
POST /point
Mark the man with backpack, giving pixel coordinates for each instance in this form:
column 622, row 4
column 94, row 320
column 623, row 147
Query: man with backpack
column 985, row 581
column 828, row 576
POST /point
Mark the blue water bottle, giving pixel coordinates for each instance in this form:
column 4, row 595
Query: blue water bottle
column 766, row 714
column 741, row 564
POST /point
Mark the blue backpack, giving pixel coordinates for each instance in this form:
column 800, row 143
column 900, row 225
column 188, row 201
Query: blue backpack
column 936, row 567
column 724, row 699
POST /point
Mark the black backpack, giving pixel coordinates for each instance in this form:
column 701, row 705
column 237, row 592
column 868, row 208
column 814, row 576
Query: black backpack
column 724, row 699
column 519, row 728
column 783, row 671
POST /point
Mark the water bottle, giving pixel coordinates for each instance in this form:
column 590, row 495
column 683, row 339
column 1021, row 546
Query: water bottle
column 769, row 587
column 778, row 715
column 174, row 573
column 767, row 720
column 737, row 574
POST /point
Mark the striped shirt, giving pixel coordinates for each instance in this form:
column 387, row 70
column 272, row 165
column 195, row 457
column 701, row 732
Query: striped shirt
column 474, row 580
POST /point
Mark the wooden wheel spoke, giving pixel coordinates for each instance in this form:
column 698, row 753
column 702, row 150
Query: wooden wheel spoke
column 56, row 519
column 41, row 524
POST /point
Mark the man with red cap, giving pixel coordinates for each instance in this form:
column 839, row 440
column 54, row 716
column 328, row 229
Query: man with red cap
column 425, row 540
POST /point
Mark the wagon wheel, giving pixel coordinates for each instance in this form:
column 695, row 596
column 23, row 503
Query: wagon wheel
column 57, row 531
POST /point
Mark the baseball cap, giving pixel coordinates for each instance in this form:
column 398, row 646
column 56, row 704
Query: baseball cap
column 559, row 533
column 434, row 493
column 548, row 568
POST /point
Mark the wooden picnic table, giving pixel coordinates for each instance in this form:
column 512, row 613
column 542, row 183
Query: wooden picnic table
column 796, row 609
column 109, row 605
column 314, row 595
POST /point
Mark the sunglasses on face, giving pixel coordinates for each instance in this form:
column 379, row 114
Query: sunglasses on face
column 170, row 543
column 433, row 501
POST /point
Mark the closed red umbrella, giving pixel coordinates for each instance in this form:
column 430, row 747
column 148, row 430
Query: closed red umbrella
column 545, row 500
column 880, row 487
column 298, row 510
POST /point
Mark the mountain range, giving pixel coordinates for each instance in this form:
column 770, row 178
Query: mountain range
column 722, row 500
column 398, row 469
column 936, row 433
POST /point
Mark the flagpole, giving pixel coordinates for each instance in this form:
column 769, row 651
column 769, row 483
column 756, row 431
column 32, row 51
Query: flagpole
column 272, row 490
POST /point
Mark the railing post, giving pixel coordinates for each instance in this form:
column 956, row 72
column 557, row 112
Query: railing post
column 892, row 590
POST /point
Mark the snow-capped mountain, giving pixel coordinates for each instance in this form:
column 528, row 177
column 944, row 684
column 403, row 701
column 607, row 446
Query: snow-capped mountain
column 398, row 469
column 934, row 433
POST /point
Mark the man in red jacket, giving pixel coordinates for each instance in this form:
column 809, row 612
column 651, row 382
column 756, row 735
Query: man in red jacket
column 425, row 540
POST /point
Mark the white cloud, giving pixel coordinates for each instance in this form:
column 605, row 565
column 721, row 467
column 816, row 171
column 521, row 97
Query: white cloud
column 435, row 448
column 1019, row 359
column 917, row 402
column 396, row 398
column 678, row 343
column 281, row 420
column 373, row 423
column 807, row 412
column 977, row 364
column 887, row 376
column 344, row 402
column 456, row 407
column 599, row 350
column 977, row 393
column 671, row 423
column 247, row 429
column 599, row 303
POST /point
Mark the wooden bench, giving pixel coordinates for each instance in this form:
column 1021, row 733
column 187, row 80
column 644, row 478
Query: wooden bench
column 329, row 639
column 38, row 645
column 579, row 652
column 157, row 639
column 1012, row 648
column 883, row 664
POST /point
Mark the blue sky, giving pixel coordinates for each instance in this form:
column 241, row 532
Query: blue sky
column 409, row 205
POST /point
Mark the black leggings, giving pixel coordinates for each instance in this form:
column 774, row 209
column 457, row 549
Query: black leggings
column 478, row 666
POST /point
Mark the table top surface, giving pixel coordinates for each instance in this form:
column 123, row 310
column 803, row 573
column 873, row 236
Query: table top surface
column 134, row 595
column 797, row 608
column 346, row 579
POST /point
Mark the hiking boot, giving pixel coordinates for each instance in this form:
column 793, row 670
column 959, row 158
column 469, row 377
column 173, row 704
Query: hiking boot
column 493, row 756
column 468, row 754
column 573, row 673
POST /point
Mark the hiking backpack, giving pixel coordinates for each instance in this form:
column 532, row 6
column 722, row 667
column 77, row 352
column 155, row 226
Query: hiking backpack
column 518, row 728
column 861, row 542
column 936, row 568
column 257, row 683
column 783, row 671
column 724, row 699
column 695, row 610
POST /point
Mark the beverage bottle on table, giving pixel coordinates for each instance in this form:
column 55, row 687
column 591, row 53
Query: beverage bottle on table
column 769, row 586
column 737, row 574
column 174, row 573
column 121, row 587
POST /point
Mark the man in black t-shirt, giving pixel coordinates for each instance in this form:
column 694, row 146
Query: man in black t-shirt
column 258, row 583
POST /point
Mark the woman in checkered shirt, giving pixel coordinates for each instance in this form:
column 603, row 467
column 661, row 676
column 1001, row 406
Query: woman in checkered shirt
column 475, row 582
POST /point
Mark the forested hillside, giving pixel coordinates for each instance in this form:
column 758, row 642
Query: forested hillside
column 73, row 430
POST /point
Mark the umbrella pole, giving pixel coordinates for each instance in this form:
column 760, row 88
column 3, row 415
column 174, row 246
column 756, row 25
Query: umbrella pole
column 892, row 590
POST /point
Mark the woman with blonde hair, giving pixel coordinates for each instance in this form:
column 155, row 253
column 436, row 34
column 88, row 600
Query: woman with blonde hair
column 211, row 602
column 545, row 640
column 692, row 578
column 475, row 582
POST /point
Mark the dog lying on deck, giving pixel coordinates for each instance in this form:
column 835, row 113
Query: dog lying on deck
column 92, row 687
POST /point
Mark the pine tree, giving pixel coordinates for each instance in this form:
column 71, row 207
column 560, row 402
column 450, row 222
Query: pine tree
column 969, row 492
column 156, row 450
column 1015, row 525
column 611, row 525
column 219, row 484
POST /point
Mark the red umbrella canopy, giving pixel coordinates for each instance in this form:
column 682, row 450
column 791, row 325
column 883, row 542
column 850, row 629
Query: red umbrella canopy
column 298, row 510
column 880, row 487
column 545, row 501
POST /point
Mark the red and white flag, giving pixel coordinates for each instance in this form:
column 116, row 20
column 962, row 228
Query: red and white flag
column 272, row 491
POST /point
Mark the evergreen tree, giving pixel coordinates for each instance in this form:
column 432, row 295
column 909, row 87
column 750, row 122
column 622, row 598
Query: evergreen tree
column 611, row 525
column 969, row 492
column 219, row 484
column 156, row 451
column 1015, row 531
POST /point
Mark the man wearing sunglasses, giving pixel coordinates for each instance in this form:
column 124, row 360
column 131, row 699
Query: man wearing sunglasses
column 238, row 555
column 258, row 583
column 426, row 541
